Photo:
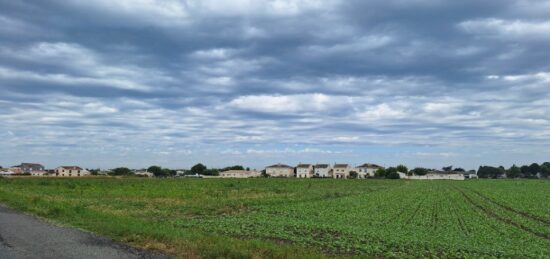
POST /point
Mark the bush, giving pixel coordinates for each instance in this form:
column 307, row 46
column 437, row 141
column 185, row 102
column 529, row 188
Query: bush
column 419, row 171
column 393, row 175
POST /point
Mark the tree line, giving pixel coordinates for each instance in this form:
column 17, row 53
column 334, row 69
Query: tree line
column 533, row 170
column 158, row 171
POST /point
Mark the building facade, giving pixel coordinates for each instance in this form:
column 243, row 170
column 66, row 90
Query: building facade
column 341, row 171
column 240, row 174
column 28, row 168
column 322, row 170
column 280, row 170
column 304, row 171
column 70, row 171
column 367, row 170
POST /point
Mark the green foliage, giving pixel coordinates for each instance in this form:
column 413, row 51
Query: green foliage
column 235, row 167
column 513, row 172
column 295, row 218
column 419, row 171
column 393, row 175
column 534, row 169
column 198, row 169
column 155, row 170
column 121, row 171
column 380, row 173
column 402, row 169
column 353, row 175
column 490, row 172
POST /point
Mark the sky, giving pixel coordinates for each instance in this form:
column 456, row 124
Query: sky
column 172, row 82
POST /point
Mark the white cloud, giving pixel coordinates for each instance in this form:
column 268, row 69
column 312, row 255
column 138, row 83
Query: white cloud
column 289, row 103
column 383, row 111
column 517, row 29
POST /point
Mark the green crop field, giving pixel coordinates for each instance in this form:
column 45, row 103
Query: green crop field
column 291, row 218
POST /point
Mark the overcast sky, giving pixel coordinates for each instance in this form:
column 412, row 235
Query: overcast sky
column 422, row 82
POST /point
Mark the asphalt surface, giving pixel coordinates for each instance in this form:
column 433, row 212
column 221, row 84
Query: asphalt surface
column 24, row 236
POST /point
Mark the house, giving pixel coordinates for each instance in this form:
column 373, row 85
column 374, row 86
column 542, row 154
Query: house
column 367, row 170
column 15, row 170
column 27, row 168
column 280, row 170
column 70, row 171
column 143, row 174
column 39, row 173
column 6, row 172
column 341, row 171
column 304, row 171
column 322, row 170
column 240, row 174
column 435, row 175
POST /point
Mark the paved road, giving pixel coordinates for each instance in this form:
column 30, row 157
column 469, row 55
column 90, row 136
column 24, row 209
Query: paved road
column 23, row 236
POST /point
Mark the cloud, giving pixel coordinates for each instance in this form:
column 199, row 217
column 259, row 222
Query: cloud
column 290, row 103
column 512, row 29
column 171, row 82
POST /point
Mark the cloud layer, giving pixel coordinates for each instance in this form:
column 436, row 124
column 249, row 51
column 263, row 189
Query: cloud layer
column 427, row 82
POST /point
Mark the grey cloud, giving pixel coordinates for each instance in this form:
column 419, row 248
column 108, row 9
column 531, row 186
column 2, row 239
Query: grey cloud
column 190, row 80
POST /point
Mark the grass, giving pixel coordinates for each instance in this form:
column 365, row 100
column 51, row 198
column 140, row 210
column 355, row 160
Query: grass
column 293, row 218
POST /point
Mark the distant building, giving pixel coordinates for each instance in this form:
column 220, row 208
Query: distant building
column 280, row 170
column 240, row 174
column 27, row 168
column 322, row 170
column 70, row 171
column 39, row 173
column 304, row 171
column 435, row 175
column 367, row 170
column 15, row 170
column 341, row 171
column 144, row 174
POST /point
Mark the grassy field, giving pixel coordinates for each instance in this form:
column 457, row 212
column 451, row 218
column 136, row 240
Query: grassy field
column 291, row 218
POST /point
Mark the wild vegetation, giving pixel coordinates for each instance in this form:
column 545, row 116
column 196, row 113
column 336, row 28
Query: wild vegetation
column 293, row 218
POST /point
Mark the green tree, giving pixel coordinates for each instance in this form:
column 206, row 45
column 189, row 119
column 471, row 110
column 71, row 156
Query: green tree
column 235, row 167
column 534, row 169
column 155, row 170
column 392, row 173
column 489, row 172
column 447, row 168
column 513, row 172
column 121, row 171
column 545, row 170
column 353, row 175
column 198, row 169
column 380, row 172
column 524, row 170
column 402, row 169
column 419, row 171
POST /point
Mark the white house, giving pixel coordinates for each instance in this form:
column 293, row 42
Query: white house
column 341, row 171
column 322, row 170
column 39, row 173
column 304, row 171
column 280, row 170
column 70, row 171
column 240, row 174
column 144, row 174
column 435, row 175
column 366, row 170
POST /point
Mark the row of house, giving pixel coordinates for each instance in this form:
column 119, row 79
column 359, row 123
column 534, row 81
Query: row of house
column 35, row 169
column 337, row 171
